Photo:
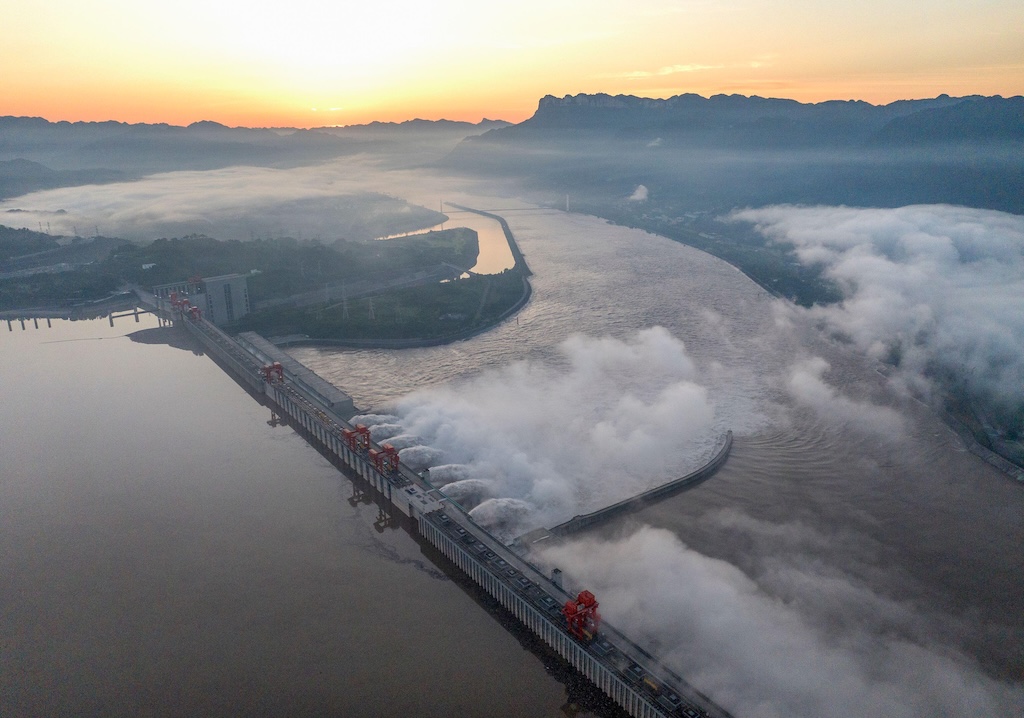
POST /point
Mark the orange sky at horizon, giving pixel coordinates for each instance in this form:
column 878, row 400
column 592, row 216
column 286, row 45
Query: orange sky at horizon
column 320, row 64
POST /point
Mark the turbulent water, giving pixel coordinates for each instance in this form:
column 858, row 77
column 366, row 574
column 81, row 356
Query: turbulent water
column 846, row 506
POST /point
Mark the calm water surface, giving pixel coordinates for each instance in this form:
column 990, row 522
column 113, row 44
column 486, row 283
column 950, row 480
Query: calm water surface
column 495, row 256
column 165, row 551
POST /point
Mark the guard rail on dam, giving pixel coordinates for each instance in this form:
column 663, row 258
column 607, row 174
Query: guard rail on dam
column 626, row 673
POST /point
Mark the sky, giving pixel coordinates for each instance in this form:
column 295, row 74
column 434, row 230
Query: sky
column 311, row 63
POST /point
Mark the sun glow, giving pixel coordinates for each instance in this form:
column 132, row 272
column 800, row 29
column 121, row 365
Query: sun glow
column 262, row 63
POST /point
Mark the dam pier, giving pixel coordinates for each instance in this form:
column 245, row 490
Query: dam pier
column 568, row 624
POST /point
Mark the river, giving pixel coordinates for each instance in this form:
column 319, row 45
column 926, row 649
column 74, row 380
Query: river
column 164, row 541
column 873, row 534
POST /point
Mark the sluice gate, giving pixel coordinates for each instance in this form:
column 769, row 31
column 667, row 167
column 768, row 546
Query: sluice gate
column 623, row 671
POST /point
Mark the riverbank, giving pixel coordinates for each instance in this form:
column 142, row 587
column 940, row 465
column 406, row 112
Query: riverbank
column 978, row 449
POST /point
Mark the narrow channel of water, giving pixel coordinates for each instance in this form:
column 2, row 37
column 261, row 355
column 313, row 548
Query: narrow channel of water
column 495, row 256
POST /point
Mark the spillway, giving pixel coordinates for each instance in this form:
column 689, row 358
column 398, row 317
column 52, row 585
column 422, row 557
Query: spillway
column 634, row 679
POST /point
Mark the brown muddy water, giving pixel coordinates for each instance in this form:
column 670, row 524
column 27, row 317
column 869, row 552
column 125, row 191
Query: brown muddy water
column 165, row 551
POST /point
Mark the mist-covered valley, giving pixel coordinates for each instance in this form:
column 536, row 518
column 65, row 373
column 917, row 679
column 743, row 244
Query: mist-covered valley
column 852, row 555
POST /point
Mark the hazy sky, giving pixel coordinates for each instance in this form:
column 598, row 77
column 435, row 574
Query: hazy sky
column 319, row 62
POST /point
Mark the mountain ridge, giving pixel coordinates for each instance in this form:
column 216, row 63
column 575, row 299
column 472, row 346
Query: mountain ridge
column 754, row 120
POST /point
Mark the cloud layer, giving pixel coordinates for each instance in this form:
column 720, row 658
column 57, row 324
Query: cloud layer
column 779, row 654
column 232, row 203
column 934, row 288
column 807, row 385
column 607, row 420
column 639, row 194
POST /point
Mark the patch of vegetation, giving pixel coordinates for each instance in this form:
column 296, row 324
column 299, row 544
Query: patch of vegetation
column 43, row 271
column 59, row 289
column 427, row 312
column 995, row 426
column 284, row 266
column 17, row 242
column 287, row 266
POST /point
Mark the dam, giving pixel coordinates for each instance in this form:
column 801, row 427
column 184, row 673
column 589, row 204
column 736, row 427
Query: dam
column 568, row 624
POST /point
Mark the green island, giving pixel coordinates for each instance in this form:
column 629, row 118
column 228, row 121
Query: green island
column 423, row 315
column 413, row 290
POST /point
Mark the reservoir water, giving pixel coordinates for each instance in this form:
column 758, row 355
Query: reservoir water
column 165, row 551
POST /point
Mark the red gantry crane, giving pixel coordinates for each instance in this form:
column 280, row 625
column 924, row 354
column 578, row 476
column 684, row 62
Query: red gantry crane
column 385, row 460
column 582, row 616
column 270, row 371
column 357, row 439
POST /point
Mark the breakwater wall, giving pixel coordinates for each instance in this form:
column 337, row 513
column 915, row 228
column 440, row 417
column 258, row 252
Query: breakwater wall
column 578, row 523
column 634, row 679
column 983, row 452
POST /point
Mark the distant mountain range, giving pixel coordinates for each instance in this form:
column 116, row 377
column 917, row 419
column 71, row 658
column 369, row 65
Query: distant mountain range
column 696, row 154
column 21, row 176
column 974, row 119
column 705, row 154
column 413, row 127
column 37, row 154
column 757, row 122
column 141, row 148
